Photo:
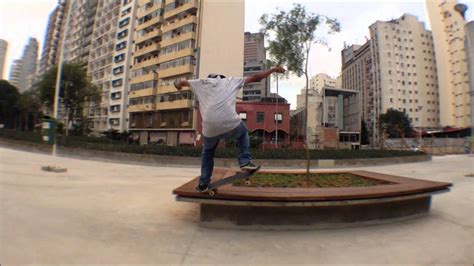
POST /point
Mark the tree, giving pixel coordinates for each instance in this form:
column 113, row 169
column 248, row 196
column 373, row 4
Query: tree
column 364, row 134
column 294, row 34
column 29, row 107
column 9, row 97
column 395, row 124
column 76, row 89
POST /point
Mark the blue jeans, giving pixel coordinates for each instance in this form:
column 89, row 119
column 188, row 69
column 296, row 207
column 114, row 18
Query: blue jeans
column 210, row 144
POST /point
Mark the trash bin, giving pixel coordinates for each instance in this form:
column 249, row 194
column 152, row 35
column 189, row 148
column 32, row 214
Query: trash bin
column 48, row 131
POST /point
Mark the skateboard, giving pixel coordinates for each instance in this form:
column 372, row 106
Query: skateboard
column 228, row 180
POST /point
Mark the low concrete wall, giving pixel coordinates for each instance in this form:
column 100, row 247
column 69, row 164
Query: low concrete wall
column 149, row 159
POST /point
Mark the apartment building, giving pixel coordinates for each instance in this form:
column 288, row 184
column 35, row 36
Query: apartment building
column 405, row 73
column 122, row 59
column 254, row 61
column 23, row 71
column 53, row 37
column 3, row 56
column 449, row 34
column 99, row 66
column 175, row 40
column 470, row 63
column 357, row 75
column 79, row 32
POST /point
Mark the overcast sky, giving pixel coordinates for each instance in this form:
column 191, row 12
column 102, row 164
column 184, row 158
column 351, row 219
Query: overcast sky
column 21, row 19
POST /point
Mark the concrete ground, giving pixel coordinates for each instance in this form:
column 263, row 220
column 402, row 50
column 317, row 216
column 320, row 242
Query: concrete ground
column 109, row 213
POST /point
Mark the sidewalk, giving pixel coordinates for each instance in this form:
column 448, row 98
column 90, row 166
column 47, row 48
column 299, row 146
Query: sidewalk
column 102, row 212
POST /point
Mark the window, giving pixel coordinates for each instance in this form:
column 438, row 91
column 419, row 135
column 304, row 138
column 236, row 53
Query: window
column 122, row 34
column 126, row 11
column 124, row 22
column 115, row 108
column 278, row 117
column 116, row 95
column 121, row 46
column 243, row 116
column 119, row 58
column 260, row 117
column 118, row 70
column 117, row 82
column 114, row 121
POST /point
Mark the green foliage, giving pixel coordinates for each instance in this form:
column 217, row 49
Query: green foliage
column 9, row 98
column 395, row 124
column 76, row 89
column 294, row 33
column 106, row 144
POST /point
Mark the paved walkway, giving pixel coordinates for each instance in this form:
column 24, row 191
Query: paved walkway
column 101, row 212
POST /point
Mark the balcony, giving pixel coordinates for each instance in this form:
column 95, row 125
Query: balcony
column 179, row 38
column 179, row 23
column 147, row 49
column 150, row 22
column 175, row 55
column 167, row 88
column 142, row 13
column 175, row 71
column 143, row 78
column 174, row 12
column 141, row 93
column 153, row 61
column 141, row 107
column 154, row 33
column 177, row 104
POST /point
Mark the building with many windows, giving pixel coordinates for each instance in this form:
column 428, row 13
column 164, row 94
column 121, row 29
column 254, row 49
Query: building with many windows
column 3, row 56
column 174, row 40
column 23, row 71
column 254, row 61
column 449, row 34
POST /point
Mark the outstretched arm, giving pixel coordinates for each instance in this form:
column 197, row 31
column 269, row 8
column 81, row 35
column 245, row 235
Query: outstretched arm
column 180, row 84
column 263, row 74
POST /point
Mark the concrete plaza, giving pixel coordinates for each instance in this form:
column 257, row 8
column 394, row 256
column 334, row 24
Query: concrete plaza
column 115, row 213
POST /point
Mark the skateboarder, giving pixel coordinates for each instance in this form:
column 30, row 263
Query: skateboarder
column 217, row 97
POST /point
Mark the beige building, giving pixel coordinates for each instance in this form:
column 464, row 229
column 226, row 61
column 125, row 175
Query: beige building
column 79, row 33
column 53, row 36
column 449, row 34
column 404, row 67
column 470, row 62
column 101, row 53
column 23, row 71
column 254, row 61
column 176, row 40
column 3, row 56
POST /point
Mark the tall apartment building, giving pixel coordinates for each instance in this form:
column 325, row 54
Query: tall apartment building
column 449, row 33
column 53, row 37
column 3, row 56
column 357, row 75
column 404, row 67
column 469, row 27
column 23, row 72
column 79, row 32
column 175, row 40
column 254, row 61
column 99, row 64
column 122, row 59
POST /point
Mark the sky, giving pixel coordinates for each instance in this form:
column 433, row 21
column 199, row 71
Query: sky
column 21, row 19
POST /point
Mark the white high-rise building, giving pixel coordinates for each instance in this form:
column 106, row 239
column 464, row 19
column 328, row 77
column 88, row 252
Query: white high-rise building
column 449, row 34
column 23, row 71
column 3, row 56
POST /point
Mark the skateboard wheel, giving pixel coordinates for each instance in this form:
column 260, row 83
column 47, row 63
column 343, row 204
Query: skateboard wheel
column 212, row 192
column 247, row 182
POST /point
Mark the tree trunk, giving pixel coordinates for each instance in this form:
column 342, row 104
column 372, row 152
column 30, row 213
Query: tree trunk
column 306, row 116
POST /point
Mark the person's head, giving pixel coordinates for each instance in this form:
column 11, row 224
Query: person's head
column 214, row 76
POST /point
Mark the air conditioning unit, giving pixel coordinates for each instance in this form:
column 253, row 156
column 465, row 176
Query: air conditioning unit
column 185, row 124
column 163, row 124
column 132, row 124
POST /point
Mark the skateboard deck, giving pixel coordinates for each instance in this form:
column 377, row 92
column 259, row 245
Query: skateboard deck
column 228, row 180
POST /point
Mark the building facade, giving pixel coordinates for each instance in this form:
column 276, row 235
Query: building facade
column 23, row 71
column 448, row 34
column 357, row 75
column 405, row 73
column 3, row 56
column 469, row 27
column 254, row 61
column 176, row 40
column 79, row 31
column 99, row 64
column 53, row 37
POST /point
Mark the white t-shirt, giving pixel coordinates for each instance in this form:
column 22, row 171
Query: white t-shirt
column 217, row 99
